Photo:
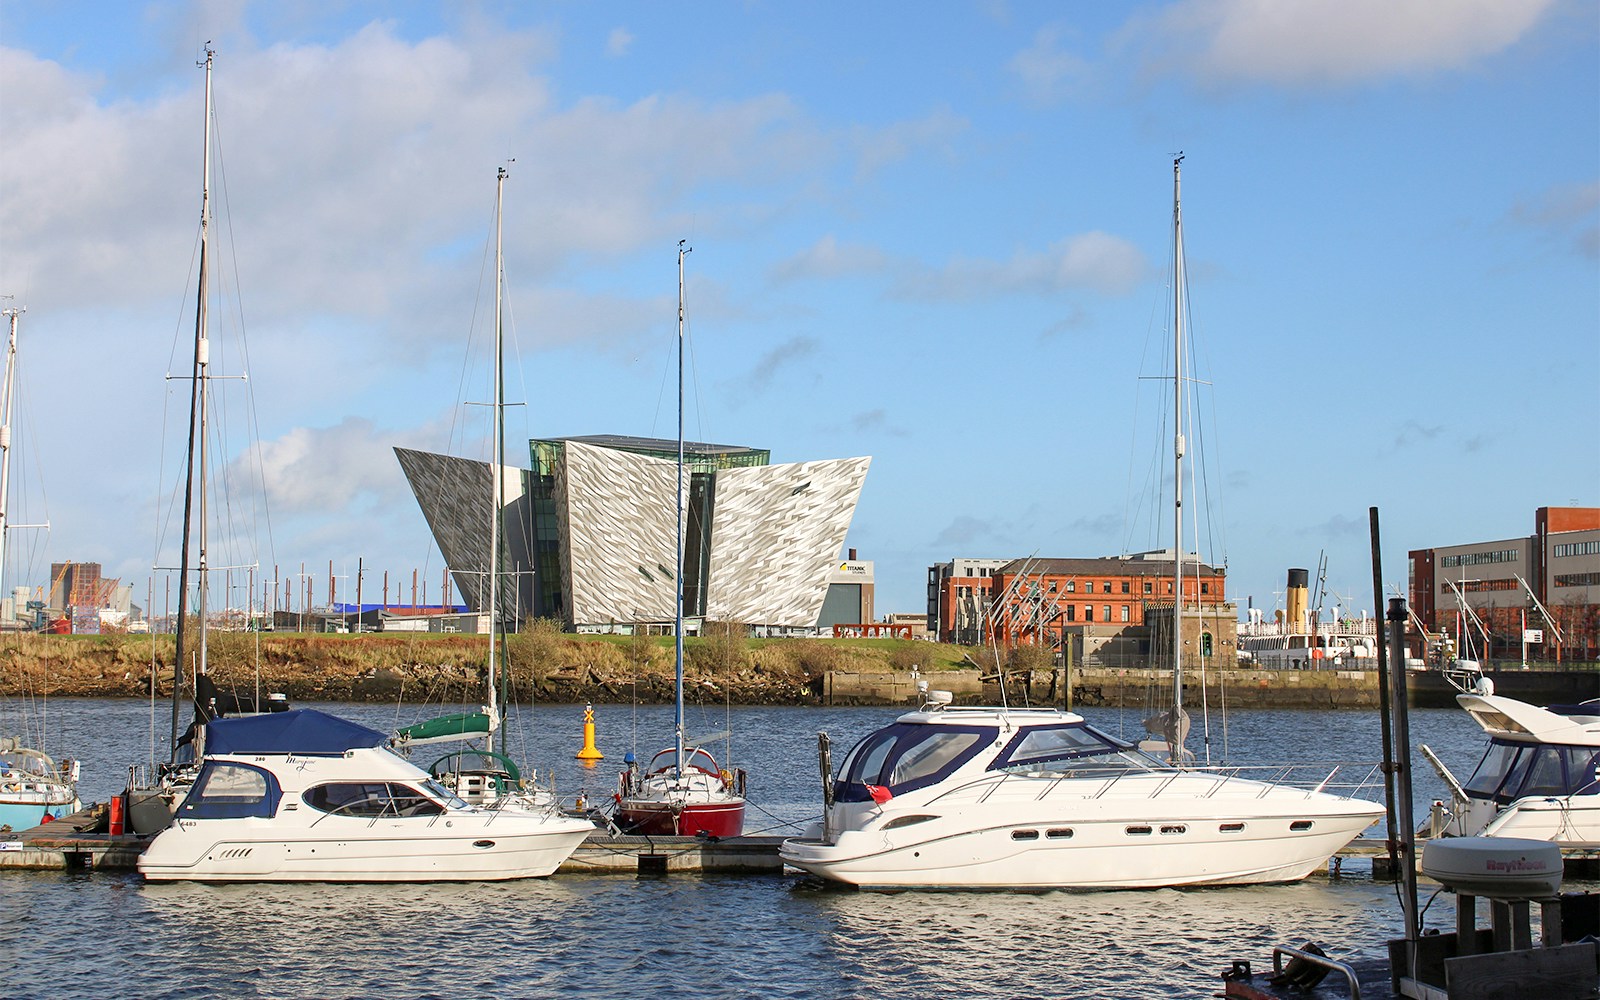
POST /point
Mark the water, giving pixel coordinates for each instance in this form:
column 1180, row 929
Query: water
column 73, row 935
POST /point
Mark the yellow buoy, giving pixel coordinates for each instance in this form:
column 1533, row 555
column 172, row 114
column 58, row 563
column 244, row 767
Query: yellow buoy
column 589, row 751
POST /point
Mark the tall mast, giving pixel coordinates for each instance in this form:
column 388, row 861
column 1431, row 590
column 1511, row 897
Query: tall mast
column 678, row 629
column 496, row 468
column 6, row 400
column 1177, row 457
column 197, row 434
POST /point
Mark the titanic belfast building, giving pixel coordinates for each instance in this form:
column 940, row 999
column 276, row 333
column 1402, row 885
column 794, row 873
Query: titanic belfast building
column 590, row 533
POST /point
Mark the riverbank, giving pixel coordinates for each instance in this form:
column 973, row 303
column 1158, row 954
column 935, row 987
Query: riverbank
column 543, row 665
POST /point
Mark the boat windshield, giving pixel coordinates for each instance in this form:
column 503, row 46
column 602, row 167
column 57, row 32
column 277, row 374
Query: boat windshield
column 1511, row 770
column 231, row 790
column 26, row 762
column 1072, row 746
column 907, row 756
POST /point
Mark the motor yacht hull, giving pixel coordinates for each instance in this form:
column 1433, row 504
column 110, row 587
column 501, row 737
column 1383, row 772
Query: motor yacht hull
column 1126, row 851
column 450, row 849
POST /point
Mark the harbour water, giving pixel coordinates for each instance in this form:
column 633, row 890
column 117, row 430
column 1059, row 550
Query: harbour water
column 74, row 935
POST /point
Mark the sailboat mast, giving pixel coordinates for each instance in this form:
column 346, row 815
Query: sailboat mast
column 1177, row 452
column 196, row 421
column 5, row 438
column 496, row 462
column 678, row 627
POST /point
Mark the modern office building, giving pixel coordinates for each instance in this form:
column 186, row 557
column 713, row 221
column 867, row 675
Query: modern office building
column 591, row 532
column 1488, row 598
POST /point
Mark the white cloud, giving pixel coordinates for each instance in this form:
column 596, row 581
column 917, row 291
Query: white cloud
column 1570, row 213
column 1300, row 42
column 321, row 469
column 1046, row 70
column 618, row 42
column 828, row 258
column 1094, row 261
column 880, row 146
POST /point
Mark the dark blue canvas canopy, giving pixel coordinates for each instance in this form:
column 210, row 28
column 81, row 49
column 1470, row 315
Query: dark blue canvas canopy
column 302, row 730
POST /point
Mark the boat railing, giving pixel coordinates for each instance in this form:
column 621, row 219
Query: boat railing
column 1308, row 778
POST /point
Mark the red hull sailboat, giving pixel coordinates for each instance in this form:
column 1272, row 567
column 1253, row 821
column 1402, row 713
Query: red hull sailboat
column 683, row 792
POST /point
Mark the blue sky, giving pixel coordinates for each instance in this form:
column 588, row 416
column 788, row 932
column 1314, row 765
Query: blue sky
column 937, row 235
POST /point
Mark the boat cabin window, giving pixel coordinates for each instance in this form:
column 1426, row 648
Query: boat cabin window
column 907, row 756
column 370, row 799
column 1511, row 770
column 229, row 790
column 1057, row 747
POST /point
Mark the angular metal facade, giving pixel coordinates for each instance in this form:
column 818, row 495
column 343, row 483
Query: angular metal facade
column 761, row 541
column 618, row 535
column 776, row 533
column 454, row 496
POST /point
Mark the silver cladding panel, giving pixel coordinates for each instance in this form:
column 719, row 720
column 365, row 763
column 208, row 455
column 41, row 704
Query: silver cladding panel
column 454, row 496
column 618, row 535
column 776, row 532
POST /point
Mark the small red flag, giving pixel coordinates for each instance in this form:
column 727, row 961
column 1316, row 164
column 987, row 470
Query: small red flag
column 879, row 794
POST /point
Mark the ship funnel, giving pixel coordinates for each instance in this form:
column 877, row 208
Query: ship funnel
column 1296, row 598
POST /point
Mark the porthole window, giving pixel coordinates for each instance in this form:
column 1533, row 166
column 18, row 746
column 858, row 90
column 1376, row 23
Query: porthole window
column 1231, row 828
column 1172, row 829
column 1024, row 834
column 1138, row 831
column 1060, row 833
column 1300, row 826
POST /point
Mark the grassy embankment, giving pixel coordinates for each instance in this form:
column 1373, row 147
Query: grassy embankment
column 541, row 662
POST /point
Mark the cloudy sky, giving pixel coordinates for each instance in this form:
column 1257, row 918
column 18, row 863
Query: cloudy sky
column 935, row 235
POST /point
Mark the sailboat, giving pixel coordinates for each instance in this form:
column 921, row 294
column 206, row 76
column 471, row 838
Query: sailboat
column 1004, row 798
column 682, row 792
column 153, row 799
column 486, row 776
column 34, row 788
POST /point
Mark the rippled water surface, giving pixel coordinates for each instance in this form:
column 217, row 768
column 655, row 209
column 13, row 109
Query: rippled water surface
column 70, row 935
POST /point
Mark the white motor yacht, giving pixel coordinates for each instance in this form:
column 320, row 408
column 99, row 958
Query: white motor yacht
column 994, row 798
column 302, row 796
column 1539, row 778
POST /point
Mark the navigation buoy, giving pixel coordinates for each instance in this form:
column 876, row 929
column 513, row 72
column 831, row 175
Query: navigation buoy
column 589, row 751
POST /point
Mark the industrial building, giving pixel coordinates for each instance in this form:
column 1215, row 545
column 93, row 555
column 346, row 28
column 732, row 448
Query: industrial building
column 1489, row 600
column 590, row 533
column 1110, row 609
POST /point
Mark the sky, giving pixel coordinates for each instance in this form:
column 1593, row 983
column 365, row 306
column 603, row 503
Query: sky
column 936, row 235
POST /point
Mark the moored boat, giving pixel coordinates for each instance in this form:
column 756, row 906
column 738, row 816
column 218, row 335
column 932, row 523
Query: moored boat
column 1001, row 798
column 34, row 788
column 996, row 798
column 302, row 796
column 683, row 792
column 1538, row 779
